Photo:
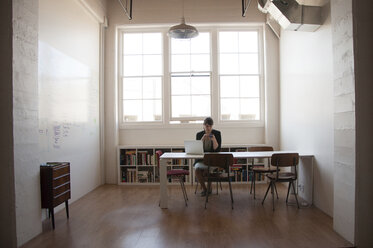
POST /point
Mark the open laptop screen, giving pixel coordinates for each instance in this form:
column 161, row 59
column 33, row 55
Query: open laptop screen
column 193, row 146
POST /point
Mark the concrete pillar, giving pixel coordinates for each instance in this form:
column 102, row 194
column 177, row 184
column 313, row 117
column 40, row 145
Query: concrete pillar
column 344, row 119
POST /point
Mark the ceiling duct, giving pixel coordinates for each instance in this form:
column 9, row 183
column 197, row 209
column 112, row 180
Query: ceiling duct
column 291, row 15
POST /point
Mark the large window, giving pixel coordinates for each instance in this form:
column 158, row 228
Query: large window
column 171, row 81
column 190, row 78
column 142, row 76
column 239, row 75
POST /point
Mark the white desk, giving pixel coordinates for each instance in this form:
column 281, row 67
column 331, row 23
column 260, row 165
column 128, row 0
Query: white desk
column 305, row 175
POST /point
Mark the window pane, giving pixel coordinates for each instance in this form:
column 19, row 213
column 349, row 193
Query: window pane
column 249, row 109
column 228, row 42
column 132, row 65
column 180, row 85
column 200, row 62
column 132, row 88
column 248, row 42
column 152, row 65
column 180, row 63
column 201, row 105
column 200, row 85
column 229, row 64
column 201, row 44
column 152, row 43
column 152, row 88
column 132, row 43
column 181, row 106
column 132, row 110
column 229, row 86
column 152, row 110
column 248, row 63
column 229, row 109
column 249, row 86
column 180, row 46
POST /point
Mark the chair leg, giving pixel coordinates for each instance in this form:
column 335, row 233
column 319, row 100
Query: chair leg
column 273, row 196
column 184, row 191
column 221, row 188
column 254, row 183
column 251, row 187
column 207, row 193
column 230, row 189
column 276, row 191
column 195, row 192
column 217, row 187
column 287, row 196
column 265, row 196
column 295, row 193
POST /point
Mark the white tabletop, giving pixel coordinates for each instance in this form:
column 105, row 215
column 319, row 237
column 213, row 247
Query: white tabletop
column 183, row 155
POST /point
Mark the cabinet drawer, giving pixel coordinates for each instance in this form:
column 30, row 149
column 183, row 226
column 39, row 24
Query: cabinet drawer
column 61, row 170
column 61, row 189
column 57, row 200
column 61, row 180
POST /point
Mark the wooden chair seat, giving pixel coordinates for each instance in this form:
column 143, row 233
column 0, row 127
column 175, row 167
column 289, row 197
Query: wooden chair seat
column 264, row 170
column 177, row 173
column 282, row 176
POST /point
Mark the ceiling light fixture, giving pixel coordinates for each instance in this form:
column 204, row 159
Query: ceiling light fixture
column 182, row 31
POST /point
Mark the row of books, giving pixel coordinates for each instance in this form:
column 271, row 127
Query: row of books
column 130, row 157
column 131, row 175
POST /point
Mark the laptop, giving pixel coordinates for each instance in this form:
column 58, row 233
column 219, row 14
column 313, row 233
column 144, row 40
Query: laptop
column 193, row 147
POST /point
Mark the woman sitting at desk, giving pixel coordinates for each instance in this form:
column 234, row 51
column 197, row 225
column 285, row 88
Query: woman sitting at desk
column 211, row 139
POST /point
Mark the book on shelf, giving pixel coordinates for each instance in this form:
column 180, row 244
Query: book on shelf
column 130, row 157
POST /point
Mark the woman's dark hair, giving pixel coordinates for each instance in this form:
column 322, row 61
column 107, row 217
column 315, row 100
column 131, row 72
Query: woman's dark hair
column 208, row 121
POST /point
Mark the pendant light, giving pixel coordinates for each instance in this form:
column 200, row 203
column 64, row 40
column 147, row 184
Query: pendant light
column 182, row 31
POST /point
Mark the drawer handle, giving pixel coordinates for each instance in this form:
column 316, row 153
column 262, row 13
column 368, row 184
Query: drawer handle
column 61, row 176
column 61, row 185
column 61, row 194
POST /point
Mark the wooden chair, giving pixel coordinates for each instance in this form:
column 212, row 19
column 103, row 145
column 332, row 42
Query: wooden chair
column 176, row 174
column 283, row 160
column 260, row 169
column 222, row 162
column 217, row 187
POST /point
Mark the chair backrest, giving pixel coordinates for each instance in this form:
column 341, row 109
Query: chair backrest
column 218, row 160
column 158, row 154
column 285, row 159
column 260, row 149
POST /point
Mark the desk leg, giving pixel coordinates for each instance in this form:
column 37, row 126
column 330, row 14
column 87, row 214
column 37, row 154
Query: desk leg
column 163, row 183
column 67, row 208
column 51, row 210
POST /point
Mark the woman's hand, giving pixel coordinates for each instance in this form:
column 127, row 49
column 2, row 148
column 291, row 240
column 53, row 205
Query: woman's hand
column 207, row 136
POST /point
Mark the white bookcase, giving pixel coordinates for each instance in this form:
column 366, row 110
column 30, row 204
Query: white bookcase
column 138, row 164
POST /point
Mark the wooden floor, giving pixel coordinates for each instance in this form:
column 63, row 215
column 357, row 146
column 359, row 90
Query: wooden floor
column 129, row 216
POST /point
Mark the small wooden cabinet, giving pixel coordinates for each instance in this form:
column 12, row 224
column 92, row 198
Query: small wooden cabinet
column 55, row 186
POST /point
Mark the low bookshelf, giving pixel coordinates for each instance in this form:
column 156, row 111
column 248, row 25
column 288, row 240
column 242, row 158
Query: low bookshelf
column 138, row 165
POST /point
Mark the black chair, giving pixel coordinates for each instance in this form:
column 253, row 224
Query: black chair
column 283, row 160
column 258, row 170
column 218, row 170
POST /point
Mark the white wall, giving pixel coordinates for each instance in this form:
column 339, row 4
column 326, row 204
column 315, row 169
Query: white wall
column 344, row 119
column 169, row 12
column 306, row 93
column 69, row 91
column 25, row 119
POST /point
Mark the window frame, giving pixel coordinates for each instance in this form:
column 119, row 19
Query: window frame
column 260, row 74
column 214, row 78
column 121, row 31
